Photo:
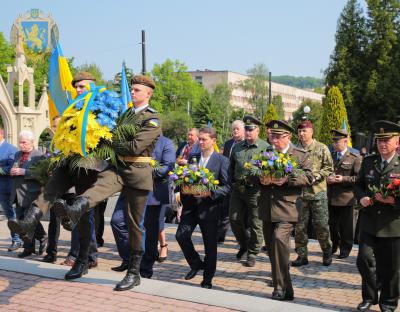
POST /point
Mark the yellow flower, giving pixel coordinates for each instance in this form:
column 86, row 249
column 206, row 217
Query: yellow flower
column 186, row 179
column 170, row 173
column 206, row 170
column 247, row 165
column 264, row 163
column 179, row 172
column 216, row 182
column 197, row 173
column 152, row 162
column 281, row 155
column 294, row 164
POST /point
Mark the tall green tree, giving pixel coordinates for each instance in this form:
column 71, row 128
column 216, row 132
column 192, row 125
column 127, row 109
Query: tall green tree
column 382, row 91
column 7, row 56
column 176, row 90
column 269, row 115
column 278, row 104
column 222, row 110
column 257, row 86
column 117, row 78
column 333, row 115
column 175, row 125
column 347, row 63
column 203, row 113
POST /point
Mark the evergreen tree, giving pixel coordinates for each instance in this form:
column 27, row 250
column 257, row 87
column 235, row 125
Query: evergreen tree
column 269, row 115
column 203, row 113
column 334, row 113
column 347, row 64
column 175, row 125
column 315, row 116
column 278, row 104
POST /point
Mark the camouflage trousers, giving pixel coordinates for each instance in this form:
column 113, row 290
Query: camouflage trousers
column 318, row 208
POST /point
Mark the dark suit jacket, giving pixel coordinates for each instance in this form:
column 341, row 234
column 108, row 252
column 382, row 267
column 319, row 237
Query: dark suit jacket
column 280, row 203
column 342, row 194
column 195, row 150
column 380, row 220
column 208, row 208
column 228, row 145
column 164, row 154
column 7, row 154
column 25, row 189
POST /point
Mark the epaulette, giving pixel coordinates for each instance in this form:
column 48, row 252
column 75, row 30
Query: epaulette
column 372, row 156
column 152, row 110
column 354, row 151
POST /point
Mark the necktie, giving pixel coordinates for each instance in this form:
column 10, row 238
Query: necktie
column 338, row 156
column 384, row 164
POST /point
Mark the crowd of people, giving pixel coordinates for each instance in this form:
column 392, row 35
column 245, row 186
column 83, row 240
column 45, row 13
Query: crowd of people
column 260, row 212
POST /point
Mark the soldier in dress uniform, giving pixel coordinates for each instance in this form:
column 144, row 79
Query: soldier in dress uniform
column 380, row 222
column 133, row 178
column 243, row 208
column 341, row 198
column 278, row 209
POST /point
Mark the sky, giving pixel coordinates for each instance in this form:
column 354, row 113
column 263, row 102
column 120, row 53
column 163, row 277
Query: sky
column 291, row 37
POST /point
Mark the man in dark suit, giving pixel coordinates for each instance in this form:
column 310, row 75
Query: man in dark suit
column 7, row 154
column 203, row 211
column 341, row 198
column 278, row 209
column 237, row 137
column 380, row 222
column 187, row 149
column 25, row 189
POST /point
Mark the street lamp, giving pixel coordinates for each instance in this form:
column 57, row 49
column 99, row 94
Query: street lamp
column 306, row 110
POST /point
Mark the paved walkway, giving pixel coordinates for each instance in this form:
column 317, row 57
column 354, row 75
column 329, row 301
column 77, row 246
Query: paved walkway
column 336, row 287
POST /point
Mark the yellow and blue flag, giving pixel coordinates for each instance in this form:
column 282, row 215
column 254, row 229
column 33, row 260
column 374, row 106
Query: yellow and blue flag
column 344, row 127
column 61, row 92
column 125, row 93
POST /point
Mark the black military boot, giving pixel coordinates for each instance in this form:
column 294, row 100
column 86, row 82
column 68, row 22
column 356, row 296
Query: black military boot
column 327, row 258
column 72, row 212
column 26, row 227
column 300, row 261
column 132, row 277
column 78, row 269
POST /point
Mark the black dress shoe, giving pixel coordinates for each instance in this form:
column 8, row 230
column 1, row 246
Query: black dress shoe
column 241, row 252
column 281, row 296
column 42, row 245
column 14, row 246
column 205, row 285
column 162, row 259
column 343, row 255
column 385, row 308
column 49, row 258
column 122, row 267
column 300, row 261
column 26, row 253
column 79, row 268
column 191, row 274
column 327, row 258
column 364, row 305
column 146, row 274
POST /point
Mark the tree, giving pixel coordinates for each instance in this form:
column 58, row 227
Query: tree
column 257, row 86
column 117, row 78
column 176, row 90
column 7, row 56
column 334, row 113
column 222, row 110
column 95, row 70
column 269, row 115
column 347, row 64
column 278, row 104
column 299, row 82
column 315, row 116
column 175, row 125
column 203, row 113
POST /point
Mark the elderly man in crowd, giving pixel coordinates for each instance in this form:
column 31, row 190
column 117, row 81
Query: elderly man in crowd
column 25, row 189
column 190, row 147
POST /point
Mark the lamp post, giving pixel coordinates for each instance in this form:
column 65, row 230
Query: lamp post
column 306, row 110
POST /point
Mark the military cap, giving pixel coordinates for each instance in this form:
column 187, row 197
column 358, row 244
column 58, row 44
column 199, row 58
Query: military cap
column 339, row 133
column 386, row 129
column 305, row 124
column 143, row 80
column 280, row 126
column 250, row 122
column 82, row 76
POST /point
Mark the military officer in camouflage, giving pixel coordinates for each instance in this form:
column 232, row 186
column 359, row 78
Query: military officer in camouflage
column 341, row 198
column 278, row 209
column 314, row 200
column 379, row 222
column 134, row 180
column 243, row 209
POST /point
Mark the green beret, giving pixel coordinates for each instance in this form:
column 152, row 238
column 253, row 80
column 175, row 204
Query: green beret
column 82, row 76
column 143, row 80
column 251, row 122
column 280, row 126
column 386, row 129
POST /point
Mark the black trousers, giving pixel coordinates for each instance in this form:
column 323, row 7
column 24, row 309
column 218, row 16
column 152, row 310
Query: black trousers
column 379, row 262
column 223, row 222
column 54, row 234
column 209, row 233
column 99, row 221
column 39, row 233
column 341, row 226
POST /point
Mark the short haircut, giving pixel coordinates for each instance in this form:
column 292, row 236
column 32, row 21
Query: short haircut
column 210, row 131
column 238, row 123
column 56, row 117
column 27, row 135
column 195, row 130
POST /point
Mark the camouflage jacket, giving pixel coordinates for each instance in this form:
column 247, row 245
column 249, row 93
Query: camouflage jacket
column 321, row 161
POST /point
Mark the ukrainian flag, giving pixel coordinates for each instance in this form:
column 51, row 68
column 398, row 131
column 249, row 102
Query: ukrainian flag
column 344, row 127
column 125, row 92
column 61, row 92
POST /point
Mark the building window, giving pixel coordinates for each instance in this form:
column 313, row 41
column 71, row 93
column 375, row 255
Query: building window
column 199, row 79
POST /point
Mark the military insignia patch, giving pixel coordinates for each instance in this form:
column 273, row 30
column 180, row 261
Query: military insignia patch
column 154, row 122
